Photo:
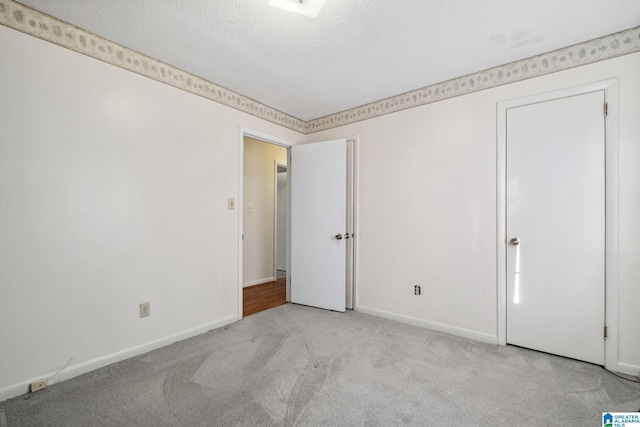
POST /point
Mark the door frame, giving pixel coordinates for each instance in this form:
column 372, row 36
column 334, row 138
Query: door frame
column 244, row 131
column 610, row 87
column 354, row 139
column 276, row 206
column 352, row 222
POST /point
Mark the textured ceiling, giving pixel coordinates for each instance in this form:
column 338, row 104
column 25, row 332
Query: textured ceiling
column 353, row 53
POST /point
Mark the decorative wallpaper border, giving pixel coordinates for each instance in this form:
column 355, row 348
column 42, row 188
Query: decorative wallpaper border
column 45, row 27
column 607, row 47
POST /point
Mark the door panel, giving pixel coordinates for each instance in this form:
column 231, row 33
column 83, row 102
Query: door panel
column 318, row 214
column 556, row 208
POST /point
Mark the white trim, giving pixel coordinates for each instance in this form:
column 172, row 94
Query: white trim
column 91, row 365
column 440, row 327
column 275, row 219
column 356, row 222
column 350, row 244
column 353, row 209
column 611, row 223
column 288, row 260
column 276, row 207
column 259, row 282
column 628, row 369
column 242, row 132
column 610, row 87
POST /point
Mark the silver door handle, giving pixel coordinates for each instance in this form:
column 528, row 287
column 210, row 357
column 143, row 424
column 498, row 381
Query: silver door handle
column 346, row 235
column 514, row 242
column 338, row 236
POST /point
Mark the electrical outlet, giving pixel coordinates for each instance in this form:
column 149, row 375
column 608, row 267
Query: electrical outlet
column 145, row 309
column 232, row 204
column 416, row 290
column 250, row 208
column 38, row 385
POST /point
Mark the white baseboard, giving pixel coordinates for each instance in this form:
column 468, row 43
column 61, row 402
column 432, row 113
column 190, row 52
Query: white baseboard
column 259, row 282
column 440, row 327
column 628, row 369
column 91, row 365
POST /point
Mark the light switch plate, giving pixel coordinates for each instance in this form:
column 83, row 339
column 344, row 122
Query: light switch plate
column 232, row 204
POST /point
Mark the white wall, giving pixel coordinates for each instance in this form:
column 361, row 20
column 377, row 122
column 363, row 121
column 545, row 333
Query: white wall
column 113, row 192
column 427, row 206
column 259, row 191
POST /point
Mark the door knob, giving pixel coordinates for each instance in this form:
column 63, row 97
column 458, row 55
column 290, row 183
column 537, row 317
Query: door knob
column 338, row 236
column 346, row 235
column 514, row 242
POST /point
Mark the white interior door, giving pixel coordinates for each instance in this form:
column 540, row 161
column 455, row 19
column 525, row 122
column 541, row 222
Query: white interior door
column 555, row 226
column 318, row 215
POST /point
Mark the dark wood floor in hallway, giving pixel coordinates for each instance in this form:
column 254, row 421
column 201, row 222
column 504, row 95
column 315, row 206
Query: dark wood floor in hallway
column 262, row 297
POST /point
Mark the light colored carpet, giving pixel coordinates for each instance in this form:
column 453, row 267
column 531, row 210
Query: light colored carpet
column 296, row 365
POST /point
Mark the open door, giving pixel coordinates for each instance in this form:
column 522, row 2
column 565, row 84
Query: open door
column 319, row 232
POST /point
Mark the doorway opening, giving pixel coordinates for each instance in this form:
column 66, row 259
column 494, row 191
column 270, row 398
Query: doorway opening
column 264, row 218
column 271, row 269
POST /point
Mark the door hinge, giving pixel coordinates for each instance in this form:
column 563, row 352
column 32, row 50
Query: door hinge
column 605, row 109
column 605, row 332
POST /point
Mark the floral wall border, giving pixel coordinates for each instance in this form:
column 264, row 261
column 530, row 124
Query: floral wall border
column 30, row 21
column 607, row 47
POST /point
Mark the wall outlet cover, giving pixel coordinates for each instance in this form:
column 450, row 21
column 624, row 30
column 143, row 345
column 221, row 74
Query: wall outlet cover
column 145, row 309
column 38, row 385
